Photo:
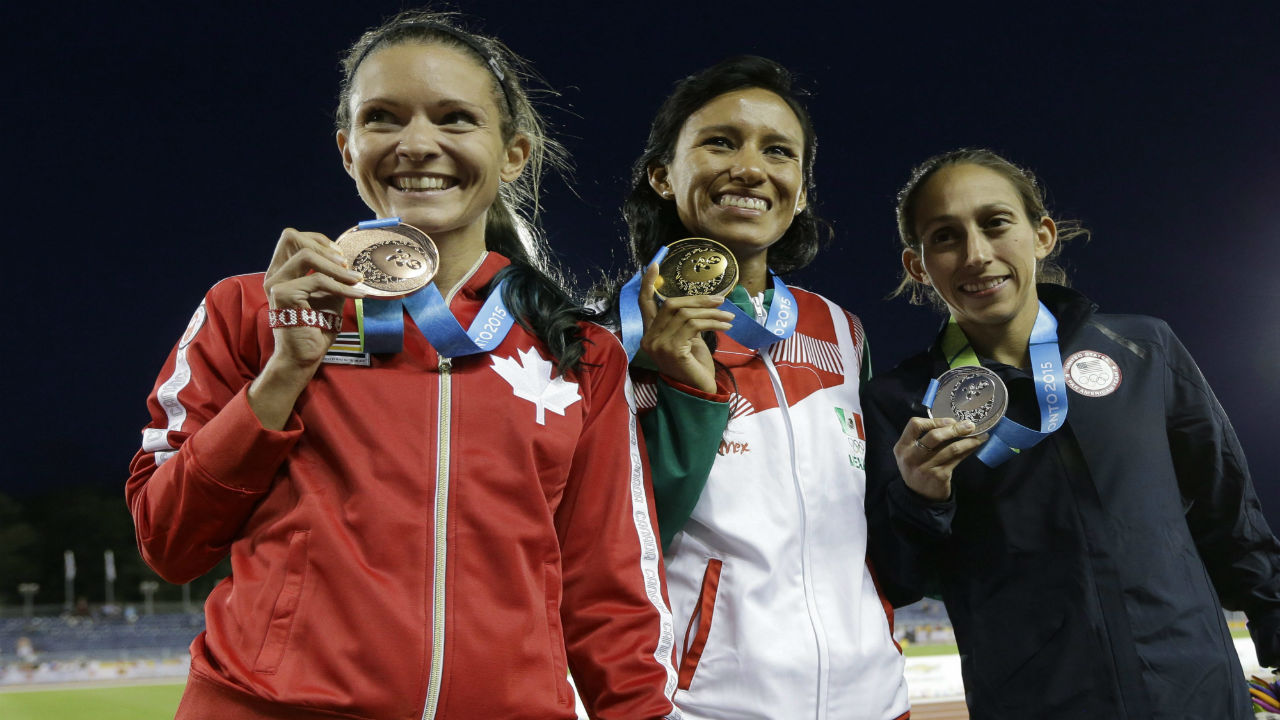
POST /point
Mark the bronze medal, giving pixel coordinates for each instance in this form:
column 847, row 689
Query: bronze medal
column 971, row 393
column 696, row 266
column 395, row 260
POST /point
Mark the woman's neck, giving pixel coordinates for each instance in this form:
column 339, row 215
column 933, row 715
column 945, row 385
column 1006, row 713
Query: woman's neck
column 753, row 273
column 459, row 253
column 1006, row 343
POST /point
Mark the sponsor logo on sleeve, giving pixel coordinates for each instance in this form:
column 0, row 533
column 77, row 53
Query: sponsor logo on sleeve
column 193, row 327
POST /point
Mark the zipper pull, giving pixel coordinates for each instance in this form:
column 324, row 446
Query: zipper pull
column 446, row 364
column 757, row 301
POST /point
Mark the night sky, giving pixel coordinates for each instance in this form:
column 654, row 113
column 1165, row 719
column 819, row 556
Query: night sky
column 153, row 151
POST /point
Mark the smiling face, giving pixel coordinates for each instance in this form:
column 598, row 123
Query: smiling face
column 425, row 142
column 979, row 249
column 736, row 174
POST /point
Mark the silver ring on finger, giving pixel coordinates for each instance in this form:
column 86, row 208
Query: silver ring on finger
column 924, row 447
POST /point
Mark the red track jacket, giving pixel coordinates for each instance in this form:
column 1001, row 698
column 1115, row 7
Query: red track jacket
column 419, row 541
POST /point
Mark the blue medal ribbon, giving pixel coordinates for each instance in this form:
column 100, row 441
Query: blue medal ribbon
column 745, row 329
column 1008, row 438
column 378, row 223
column 778, row 325
column 383, row 327
column 629, row 308
column 382, row 320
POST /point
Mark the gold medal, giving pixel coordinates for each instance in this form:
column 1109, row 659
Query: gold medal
column 696, row 266
column 395, row 260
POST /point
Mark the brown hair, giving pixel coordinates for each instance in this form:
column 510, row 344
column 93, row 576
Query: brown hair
column 536, row 291
column 1023, row 182
column 512, row 220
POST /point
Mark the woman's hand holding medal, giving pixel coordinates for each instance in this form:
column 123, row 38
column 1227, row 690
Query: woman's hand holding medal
column 928, row 451
column 673, row 332
column 306, row 274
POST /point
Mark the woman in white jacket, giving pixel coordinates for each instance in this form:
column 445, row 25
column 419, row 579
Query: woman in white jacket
column 762, row 517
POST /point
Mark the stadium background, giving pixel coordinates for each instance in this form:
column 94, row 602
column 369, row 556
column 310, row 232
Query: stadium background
column 153, row 149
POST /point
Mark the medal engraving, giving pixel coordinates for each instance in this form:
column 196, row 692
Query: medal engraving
column 975, row 394
column 696, row 266
column 394, row 260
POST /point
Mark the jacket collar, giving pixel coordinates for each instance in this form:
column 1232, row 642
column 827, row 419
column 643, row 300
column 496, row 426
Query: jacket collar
column 474, row 287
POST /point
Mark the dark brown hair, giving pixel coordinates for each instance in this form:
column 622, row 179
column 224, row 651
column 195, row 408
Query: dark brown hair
column 653, row 222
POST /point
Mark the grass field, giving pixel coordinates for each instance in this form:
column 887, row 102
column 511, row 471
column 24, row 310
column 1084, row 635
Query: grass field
column 158, row 702
column 131, row 702
column 929, row 649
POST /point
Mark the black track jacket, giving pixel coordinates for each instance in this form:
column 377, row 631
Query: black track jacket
column 1084, row 576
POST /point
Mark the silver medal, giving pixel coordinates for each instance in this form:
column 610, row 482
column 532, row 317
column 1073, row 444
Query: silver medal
column 971, row 393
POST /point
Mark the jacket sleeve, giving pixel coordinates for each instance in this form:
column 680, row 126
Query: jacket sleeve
column 618, row 628
column 205, row 460
column 682, row 434
column 1224, row 516
column 904, row 529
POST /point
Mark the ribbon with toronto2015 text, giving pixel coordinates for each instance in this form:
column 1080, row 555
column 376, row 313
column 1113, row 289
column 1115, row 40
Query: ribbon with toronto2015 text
column 1008, row 438
column 745, row 329
column 382, row 321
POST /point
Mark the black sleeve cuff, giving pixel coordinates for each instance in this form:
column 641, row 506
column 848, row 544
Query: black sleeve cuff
column 1264, row 629
column 919, row 516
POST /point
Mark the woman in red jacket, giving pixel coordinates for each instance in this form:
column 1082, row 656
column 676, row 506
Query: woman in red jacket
column 434, row 504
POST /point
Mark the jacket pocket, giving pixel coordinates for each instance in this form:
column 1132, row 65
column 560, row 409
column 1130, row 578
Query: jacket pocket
column 701, row 618
column 286, row 607
column 559, row 664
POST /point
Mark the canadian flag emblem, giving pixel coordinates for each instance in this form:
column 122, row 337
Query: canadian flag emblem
column 530, row 378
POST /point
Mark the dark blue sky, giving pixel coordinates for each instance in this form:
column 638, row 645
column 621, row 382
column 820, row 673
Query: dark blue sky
column 152, row 151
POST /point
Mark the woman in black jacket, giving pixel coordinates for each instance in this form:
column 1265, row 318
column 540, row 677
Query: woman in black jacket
column 1085, row 555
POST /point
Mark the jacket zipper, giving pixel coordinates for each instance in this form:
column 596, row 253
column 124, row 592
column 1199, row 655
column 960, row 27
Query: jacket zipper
column 440, row 550
column 815, row 619
column 441, row 533
column 757, row 301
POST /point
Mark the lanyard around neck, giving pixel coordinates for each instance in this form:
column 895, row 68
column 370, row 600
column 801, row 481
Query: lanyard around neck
column 382, row 323
column 1008, row 438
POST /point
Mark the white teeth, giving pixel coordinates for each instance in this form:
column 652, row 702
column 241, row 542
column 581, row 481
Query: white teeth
column 421, row 183
column 983, row 285
column 749, row 203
